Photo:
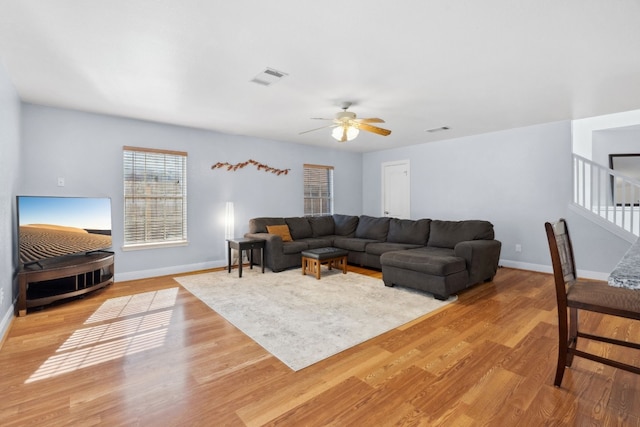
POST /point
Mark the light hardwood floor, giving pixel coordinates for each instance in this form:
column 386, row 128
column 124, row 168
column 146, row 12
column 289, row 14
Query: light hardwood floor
column 487, row 359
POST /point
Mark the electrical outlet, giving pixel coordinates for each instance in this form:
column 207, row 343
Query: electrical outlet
column 518, row 247
column 60, row 181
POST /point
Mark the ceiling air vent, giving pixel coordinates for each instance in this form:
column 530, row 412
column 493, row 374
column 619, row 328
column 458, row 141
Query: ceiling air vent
column 440, row 129
column 268, row 77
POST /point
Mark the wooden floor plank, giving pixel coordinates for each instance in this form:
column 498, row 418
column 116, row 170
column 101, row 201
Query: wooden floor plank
column 486, row 359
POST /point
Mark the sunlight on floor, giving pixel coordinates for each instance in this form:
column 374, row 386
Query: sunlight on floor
column 116, row 338
column 134, row 304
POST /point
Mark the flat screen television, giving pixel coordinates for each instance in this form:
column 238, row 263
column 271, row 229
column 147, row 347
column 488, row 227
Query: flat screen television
column 53, row 227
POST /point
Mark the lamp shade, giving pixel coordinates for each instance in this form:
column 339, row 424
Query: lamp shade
column 229, row 221
column 338, row 132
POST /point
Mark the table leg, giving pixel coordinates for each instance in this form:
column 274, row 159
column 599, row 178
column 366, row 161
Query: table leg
column 262, row 259
column 251, row 259
column 22, row 296
column 229, row 255
column 240, row 264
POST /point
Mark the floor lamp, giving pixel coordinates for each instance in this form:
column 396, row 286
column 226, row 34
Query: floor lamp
column 229, row 230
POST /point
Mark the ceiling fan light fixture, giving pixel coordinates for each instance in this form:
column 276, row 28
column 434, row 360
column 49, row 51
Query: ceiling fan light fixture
column 346, row 126
column 344, row 116
column 338, row 132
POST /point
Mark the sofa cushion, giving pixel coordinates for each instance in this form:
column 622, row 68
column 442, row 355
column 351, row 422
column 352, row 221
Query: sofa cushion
column 294, row 247
column 424, row 262
column 446, row 234
column 380, row 248
column 431, row 250
column 259, row 225
column 352, row 243
column 317, row 242
column 345, row 225
column 322, row 226
column 408, row 231
column 299, row 227
column 373, row 228
column 280, row 230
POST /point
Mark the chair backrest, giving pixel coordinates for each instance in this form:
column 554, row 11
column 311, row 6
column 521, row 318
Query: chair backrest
column 562, row 260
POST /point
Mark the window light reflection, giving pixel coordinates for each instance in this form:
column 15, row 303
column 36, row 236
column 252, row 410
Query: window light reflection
column 134, row 304
column 114, row 339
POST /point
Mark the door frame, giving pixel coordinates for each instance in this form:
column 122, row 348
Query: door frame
column 383, row 165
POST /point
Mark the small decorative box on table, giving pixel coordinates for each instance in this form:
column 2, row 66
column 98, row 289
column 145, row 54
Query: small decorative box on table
column 243, row 244
column 312, row 259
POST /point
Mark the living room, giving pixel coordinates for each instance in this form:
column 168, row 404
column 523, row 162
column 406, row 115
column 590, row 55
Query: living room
column 517, row 178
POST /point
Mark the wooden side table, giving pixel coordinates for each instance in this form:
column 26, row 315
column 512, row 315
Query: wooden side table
column 243, row 244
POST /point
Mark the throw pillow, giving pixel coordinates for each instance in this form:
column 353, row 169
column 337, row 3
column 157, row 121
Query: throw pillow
column 280, row 230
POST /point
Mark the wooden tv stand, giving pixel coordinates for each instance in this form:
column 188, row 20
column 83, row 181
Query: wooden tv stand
column 68, row 277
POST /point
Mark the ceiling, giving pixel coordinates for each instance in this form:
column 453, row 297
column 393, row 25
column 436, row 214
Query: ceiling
column 473, row 66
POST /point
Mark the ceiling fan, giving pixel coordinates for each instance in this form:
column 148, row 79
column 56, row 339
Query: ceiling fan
column 346, row 126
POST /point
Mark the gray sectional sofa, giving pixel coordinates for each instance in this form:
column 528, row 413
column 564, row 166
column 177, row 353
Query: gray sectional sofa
column 439, row 257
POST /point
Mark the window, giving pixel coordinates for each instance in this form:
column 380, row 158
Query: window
column 318, row 190
column 155, row 197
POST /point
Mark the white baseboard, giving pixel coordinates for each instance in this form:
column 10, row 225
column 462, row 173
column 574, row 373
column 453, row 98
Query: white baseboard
column 175, row 269
column 525, row 266
column 6, row 322
column 595, row 275
column 586, row 274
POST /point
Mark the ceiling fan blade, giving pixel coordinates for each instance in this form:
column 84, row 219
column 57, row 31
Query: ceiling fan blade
column 313, row 130
column 374, row 129
column 370, row 120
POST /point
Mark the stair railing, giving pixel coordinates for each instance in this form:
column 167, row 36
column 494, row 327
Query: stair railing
column 607, row 194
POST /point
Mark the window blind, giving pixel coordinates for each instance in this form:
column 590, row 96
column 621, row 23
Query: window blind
column 318, row 190
column 155, row 196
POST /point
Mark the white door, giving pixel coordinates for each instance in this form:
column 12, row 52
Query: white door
column 396, row 186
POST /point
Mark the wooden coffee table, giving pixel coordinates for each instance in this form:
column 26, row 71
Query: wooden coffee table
column 312, row 259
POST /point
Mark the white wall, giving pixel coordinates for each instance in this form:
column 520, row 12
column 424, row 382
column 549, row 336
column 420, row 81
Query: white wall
column 615, row 141
column 9, row 172
column 86, row 149
column 517, row 179
column 583, row 130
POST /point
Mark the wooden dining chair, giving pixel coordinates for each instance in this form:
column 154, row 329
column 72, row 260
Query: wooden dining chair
column 573, row 295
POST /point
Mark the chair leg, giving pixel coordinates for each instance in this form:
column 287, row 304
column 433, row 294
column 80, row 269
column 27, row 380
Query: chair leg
column 563, row 343
column 573, row 333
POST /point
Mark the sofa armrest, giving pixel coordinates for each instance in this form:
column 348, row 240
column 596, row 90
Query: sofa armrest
column 273, row 241
column 481, row 257
column 273, row 251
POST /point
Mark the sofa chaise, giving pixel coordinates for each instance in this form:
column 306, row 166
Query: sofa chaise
column 439, row 257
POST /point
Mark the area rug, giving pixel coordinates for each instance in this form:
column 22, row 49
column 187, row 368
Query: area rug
column 302, row 320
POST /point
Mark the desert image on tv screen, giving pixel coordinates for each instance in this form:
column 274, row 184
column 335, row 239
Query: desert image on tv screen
column 57, row 226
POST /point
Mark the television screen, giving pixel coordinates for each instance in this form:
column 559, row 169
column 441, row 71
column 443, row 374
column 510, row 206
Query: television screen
column 51, row 227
